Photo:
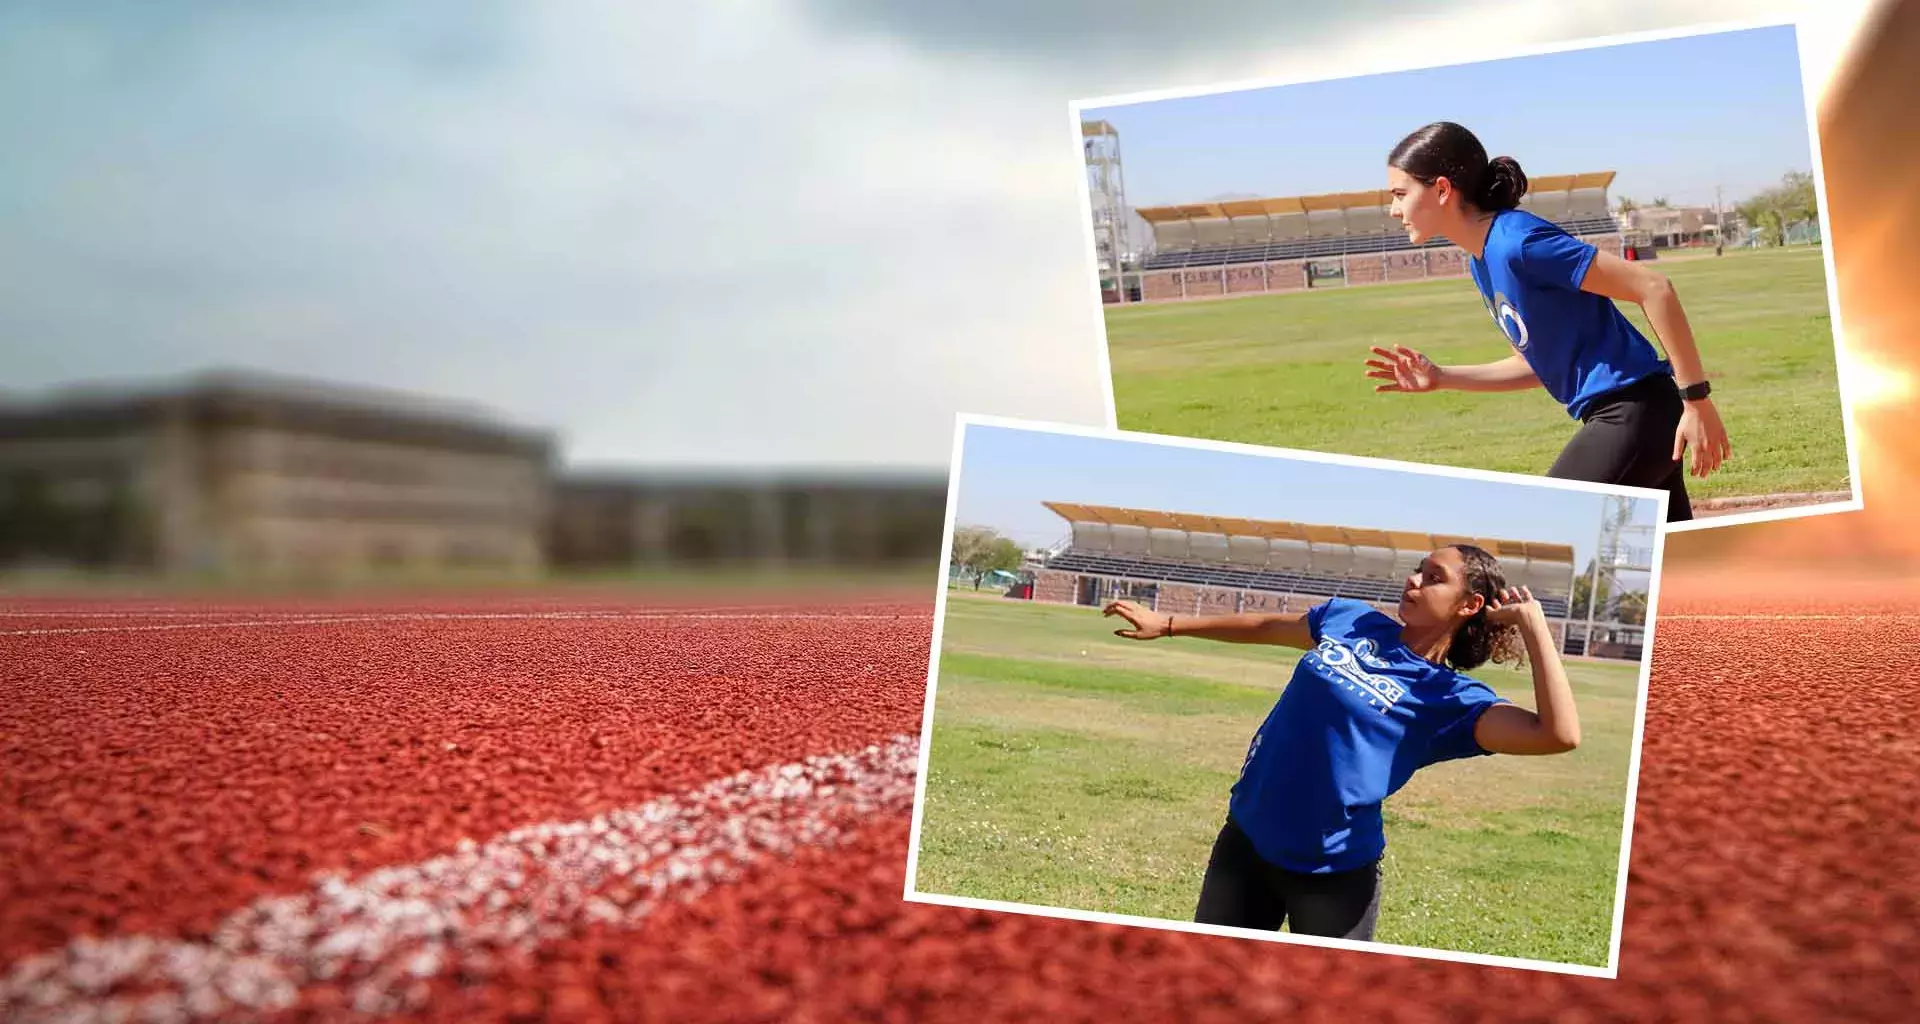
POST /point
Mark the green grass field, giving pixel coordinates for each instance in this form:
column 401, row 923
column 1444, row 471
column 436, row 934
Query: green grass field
column 1286, row 370
column 1070, row 768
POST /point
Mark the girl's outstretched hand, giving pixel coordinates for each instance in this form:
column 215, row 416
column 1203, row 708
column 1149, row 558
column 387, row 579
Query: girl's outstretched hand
column 1513, row 606
column 1404, row 369
column 1147, row 623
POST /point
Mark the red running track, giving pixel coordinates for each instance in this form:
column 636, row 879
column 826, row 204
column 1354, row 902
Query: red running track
column 173, row 792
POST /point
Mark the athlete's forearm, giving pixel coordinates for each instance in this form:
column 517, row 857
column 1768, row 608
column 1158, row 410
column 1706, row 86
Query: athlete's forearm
column 1661, row 303
column 1285, row 629
column 1509, row 374
column 1552, row 694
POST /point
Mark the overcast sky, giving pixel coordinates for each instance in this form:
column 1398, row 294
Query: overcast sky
column 730, row 233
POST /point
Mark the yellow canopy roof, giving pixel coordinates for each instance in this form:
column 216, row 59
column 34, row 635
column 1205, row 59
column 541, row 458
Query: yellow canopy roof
column 1374, row 199
column 1266, row 529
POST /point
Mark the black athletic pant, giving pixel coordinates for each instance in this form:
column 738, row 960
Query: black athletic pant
column 1241, row 890
column 1626, row 437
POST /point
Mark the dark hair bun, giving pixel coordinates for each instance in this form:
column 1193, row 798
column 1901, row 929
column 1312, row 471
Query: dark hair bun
column 1503, row 185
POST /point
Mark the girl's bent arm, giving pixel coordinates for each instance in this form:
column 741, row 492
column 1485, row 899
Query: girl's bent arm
column 1555, row 727
column 1700, row 426
column 1652, row 291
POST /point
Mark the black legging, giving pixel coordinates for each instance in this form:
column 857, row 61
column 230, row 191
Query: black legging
column 1626, row 438
column 1242, row 890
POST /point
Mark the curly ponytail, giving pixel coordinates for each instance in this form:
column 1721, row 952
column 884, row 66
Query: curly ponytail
column 1478, row 641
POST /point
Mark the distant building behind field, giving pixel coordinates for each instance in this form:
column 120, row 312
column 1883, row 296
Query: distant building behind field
column 249, row 476
column 1677, row 226
column 707, row 518
column 246, row 475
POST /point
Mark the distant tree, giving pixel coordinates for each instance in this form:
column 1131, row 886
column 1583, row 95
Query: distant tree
column 1770, row 211
column 1582, row 589
column 1796, row 195
column 1662, row 204
column 1002, row 555
column 968, row 544
column 1627, row 206
column 1630, row 608
column 31, row 521
column 981, row 550
column 1763, row 218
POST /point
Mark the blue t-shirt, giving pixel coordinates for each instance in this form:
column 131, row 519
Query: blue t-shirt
column 1579, row 344
column 1361, row 714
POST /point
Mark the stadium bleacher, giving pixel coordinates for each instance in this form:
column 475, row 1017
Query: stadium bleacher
column 1226, row 563
column 1250, row 231
column 1205, row 255
column 1154, row 569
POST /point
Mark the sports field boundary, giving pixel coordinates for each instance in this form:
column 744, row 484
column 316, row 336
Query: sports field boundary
column 1767, row 502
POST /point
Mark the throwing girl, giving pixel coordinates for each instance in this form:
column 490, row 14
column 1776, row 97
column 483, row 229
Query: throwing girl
column 1372, row 701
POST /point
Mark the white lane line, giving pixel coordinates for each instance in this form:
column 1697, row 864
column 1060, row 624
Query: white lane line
column 263, row 613
column 463, row 616
column 1772, row 617
column 382, row 935
column 143, row 614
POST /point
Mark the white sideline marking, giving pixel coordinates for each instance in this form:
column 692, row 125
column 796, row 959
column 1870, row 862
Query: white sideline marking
column 262, row 613
column 438, row 616
column 383, row 934
column 142, row 613
column 1770, row 617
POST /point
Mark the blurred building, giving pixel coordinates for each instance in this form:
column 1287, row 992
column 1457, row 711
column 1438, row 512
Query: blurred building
column 635, row 519
column 247, row 475
column 243, row 475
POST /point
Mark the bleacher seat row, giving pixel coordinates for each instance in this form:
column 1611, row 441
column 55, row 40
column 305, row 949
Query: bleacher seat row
column 1330, row 246
column 1163, row 570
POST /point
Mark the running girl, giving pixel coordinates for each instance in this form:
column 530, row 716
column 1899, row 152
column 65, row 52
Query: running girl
column 1552, row 294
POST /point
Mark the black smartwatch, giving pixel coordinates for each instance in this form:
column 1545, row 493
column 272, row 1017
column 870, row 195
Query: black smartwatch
column 1695, row 392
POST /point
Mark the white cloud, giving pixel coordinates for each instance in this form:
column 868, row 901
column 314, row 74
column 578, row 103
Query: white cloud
column 734, row 232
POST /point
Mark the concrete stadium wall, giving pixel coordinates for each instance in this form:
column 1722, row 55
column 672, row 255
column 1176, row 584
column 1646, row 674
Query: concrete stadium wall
column 1447, row 262
column 1213, row 282
column 1188, row 599
column 1613, row 649
column 1287, row 276
column 1406, row 266
column 1204, row 282
column 1053, row 586
column 1291, row 275
column 1365, row 270
column 1247, row 277
column 1160, row 286
column 1262, row 601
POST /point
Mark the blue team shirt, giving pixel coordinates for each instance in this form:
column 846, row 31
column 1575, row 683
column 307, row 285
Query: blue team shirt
column 1579, row 344
column 1361, row 714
